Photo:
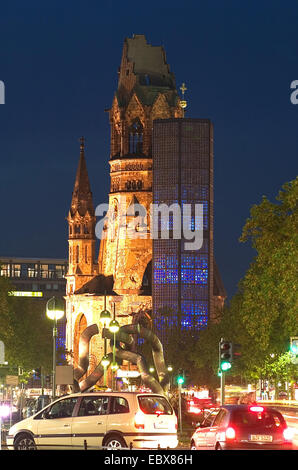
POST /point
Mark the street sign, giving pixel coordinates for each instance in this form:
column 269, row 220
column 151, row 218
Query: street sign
column 12, row 380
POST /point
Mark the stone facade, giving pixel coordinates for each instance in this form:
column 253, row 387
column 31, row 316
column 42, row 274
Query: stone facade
column 146, row 91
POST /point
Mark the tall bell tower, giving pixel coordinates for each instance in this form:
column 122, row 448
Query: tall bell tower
column 146, row 91
column 81, row 223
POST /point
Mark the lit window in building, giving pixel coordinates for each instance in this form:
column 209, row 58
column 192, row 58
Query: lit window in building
column 60, row 270
column 32, row 270
column 5, row 270
column 16, row 270
column 44, row 271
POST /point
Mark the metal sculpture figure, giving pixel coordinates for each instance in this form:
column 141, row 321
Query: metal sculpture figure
column 125, row 350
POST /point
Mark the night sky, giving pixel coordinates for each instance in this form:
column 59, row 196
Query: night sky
column 59, row 62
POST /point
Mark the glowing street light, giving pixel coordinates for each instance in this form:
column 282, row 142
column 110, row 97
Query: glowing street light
column 54, row 311
column 105, row 319
column 114, row 327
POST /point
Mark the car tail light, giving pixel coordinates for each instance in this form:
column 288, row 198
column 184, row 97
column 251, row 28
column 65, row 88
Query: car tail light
column 230, row 433
column 288, row 434
column 139, row 420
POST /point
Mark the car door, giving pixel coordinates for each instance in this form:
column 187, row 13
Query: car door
column 202, row 431
column 54, row 426
column 211, row 435
column 90, row 423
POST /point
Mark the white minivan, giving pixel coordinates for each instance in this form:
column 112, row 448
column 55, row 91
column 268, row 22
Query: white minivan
column 95, row 420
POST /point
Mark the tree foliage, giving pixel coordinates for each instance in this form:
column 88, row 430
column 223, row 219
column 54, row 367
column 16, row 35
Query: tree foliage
column 25, row 330
column 263, row 314
column 269, row 300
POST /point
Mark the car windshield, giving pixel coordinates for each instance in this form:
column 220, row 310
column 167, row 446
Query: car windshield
column 265, row 419
column 151, row 405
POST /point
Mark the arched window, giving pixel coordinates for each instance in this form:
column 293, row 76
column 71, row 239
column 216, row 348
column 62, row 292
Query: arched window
column 77, row 254
column 86, row 254
column 136, row 138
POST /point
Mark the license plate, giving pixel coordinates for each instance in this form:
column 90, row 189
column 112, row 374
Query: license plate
column 260, row 437
column 160, row 425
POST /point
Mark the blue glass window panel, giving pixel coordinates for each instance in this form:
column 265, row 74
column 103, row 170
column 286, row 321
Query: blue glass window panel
column 187, row 261
column 159, row 276
column 187, row 276
column 172, row 276
column 201, row 276
column 194, row 308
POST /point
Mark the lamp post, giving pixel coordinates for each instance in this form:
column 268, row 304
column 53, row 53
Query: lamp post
column 55, row 311
column 170, row 370
column 114, row 328
column 105, row 320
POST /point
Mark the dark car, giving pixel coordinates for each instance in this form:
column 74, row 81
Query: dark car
column 243, row 427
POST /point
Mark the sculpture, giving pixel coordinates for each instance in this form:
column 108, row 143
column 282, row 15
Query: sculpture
column 125, row 350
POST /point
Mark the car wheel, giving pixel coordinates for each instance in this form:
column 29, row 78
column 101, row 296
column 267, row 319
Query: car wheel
column 192, row 446
column 24, row 442
column 115, row 443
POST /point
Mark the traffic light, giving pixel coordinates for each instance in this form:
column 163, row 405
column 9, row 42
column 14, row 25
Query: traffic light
column 225, row 355
column 294, row 349
column 294, row 345
column 180, row 377
column 48, row 381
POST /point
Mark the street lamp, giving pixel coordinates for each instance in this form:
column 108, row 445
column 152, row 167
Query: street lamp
column 105, row 319
column 114, row 327
column 55, row 311
column 170, row 370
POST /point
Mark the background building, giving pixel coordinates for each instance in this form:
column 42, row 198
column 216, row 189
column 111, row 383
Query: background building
column 121, row 274
column 38, row 279
column 184, row 279
column 146, row 91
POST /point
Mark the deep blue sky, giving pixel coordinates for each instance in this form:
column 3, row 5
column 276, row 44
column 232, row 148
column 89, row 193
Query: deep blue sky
column 59, row 62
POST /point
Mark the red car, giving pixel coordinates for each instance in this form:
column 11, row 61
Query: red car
column 197, row 405
column 236, row 427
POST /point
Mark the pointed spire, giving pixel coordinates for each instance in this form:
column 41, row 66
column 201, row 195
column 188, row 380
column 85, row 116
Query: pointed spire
column 82, row 195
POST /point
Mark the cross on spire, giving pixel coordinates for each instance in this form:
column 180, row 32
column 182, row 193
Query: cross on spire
column 183, row 89
column 183, row 102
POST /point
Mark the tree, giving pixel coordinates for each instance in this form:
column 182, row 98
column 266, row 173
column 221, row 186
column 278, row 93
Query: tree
column 25, row 330
column 263, row 314
column 269, row 288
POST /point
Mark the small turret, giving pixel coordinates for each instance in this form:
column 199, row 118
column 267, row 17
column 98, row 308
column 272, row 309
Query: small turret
column 81, row 221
